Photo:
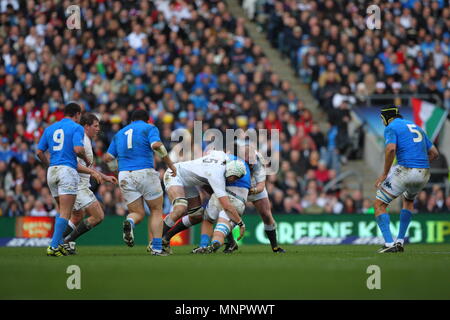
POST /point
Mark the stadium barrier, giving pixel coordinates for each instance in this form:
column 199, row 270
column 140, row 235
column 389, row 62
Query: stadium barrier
column 292, row 229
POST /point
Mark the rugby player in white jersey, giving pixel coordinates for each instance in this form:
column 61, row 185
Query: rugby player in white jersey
column 259, row 197
column 86, row 202
column 214, row 170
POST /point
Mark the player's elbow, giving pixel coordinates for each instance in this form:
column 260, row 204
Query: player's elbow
column 433, row 153
column 156, row 145
column 107, row 158
column 390, row 148
column 78, row 150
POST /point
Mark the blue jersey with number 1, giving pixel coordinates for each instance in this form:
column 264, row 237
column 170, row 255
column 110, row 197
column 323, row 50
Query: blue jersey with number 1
column 411, row 141
column 59, row 139
column 131, row 146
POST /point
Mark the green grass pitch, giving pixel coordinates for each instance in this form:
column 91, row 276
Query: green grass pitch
column 254, row 272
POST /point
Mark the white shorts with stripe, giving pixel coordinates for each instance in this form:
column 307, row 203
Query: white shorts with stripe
column 408, row 181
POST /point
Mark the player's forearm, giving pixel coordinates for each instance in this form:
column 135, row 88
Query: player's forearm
column 388, row 160
column 81, row 153
column 42, row 158
column 259, row 187
column 433, row 154
column 84, row 169
column 233, row 214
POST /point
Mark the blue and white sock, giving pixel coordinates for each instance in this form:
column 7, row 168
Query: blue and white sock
column 204, row 240
column 131, row 222
column 405, row 219
column 157, row 244
column 384, row 224
column 60, row 227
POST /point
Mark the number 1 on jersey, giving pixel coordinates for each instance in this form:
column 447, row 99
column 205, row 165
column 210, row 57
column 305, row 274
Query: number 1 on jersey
column 129, row 134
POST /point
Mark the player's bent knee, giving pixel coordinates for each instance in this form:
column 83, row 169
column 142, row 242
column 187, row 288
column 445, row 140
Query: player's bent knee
column 384, row 197
column 180, row 202
column 222, row 228
column 196, row 212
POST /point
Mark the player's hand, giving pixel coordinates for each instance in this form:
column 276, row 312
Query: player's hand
column 241, row 230
column 110, row 179
column 380, row 180
column 97, row 176
column 88, row 163
column 174, row 171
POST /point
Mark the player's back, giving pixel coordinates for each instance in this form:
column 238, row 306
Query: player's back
column 200, row 170
column 59, row 139
column 132, row 146
column 412, row 143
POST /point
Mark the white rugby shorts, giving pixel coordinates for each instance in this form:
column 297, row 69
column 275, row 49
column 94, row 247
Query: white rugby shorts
column 408, row 181
column 85, row 197
column 140, row 183
column 258, row 196
column 169, row 181
column 62, row 180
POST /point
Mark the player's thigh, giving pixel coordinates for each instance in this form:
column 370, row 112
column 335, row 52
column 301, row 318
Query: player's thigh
column 128, row 187
column 156, row 206
column 67, row 190
column 137, row 206
column 415, row 181
column 212, row 209
column 85, row 198
column 66, row 202
column 62, row 180
column 148, row 184
column 95, row 212
column 393, row 185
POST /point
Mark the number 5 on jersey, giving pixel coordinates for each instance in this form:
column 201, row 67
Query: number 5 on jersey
column 129, row 134
column 412, row 128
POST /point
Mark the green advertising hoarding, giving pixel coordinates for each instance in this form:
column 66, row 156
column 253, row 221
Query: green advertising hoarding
column 341, row 229
column 291, row 229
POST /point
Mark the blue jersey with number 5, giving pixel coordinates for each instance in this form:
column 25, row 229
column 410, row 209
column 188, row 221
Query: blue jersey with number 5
column 412, row 143
column 59, row 139
column 131, row 146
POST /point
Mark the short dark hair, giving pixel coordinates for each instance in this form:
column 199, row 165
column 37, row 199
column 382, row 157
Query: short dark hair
column 139, row 114
column 88, row 119
column 71, row 109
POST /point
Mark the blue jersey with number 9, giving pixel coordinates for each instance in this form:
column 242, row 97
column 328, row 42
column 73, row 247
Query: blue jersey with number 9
column 132, row 146
column 59, row 139
column 411, row 141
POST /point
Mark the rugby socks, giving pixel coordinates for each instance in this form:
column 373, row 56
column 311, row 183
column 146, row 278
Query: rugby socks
column 271, row 233
column 157, row 244
column 131, row 222
column 405, row 219
column 183, row 224
column 60, row 226
column 383, row 223
column 168, row 223
column 82, row 228
column 70, row 227
column 204, row 240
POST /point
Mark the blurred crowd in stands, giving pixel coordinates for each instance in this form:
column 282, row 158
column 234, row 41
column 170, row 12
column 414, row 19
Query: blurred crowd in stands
column 185, row 61
column 331, row 47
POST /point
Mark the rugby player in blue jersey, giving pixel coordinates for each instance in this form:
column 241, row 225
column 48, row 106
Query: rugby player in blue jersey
column 133, row 147
column 414, row 152
column 64, row 141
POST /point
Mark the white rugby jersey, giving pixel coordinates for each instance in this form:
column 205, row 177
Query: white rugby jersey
column 84, row 177
column 258, row 173
column 207, row 170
